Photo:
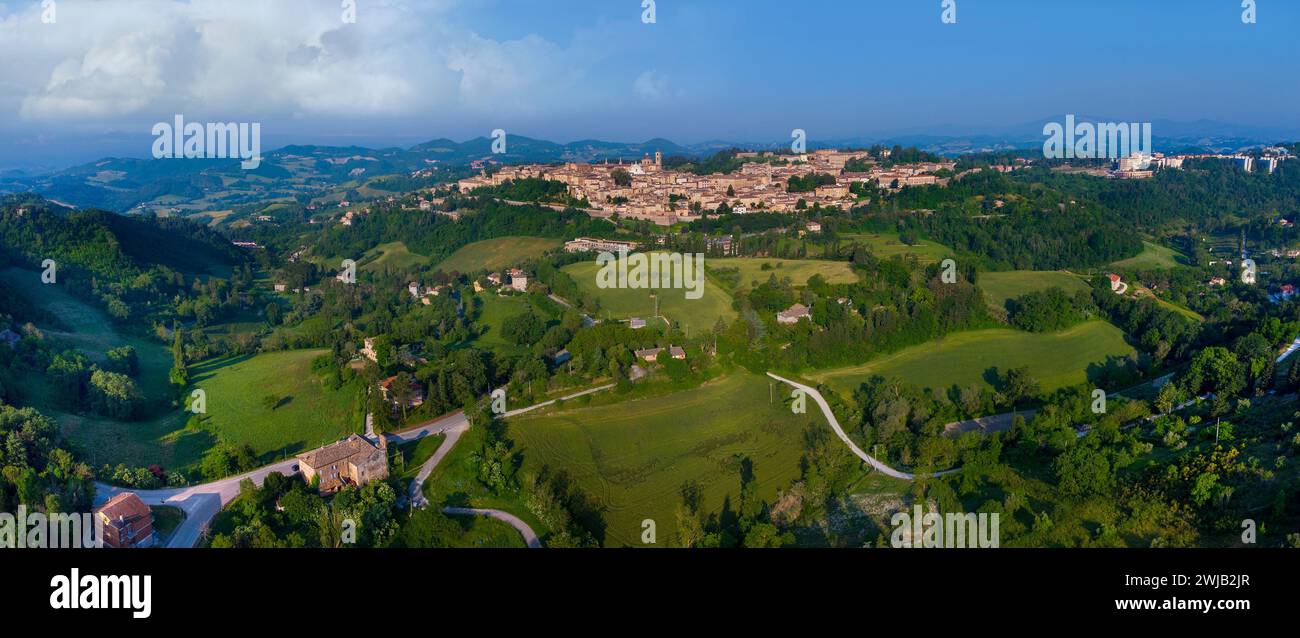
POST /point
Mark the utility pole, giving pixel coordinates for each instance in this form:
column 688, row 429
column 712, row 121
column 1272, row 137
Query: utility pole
column 1216, row 430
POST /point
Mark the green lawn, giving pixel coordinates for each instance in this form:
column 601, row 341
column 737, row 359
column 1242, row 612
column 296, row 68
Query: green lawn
column 1152, row 257
column 307, row 415
column 752, row 272
column 999, row 287
column 622, row 303
column 497, row 254
column 887, row 245
column 1056, row 360
column 633, row 457
column 415, row 453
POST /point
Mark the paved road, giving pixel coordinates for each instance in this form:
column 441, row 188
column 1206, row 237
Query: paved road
column 200, row 502
column 552, row 401
column 530, row 538
column 453, row 429
column 835, row 425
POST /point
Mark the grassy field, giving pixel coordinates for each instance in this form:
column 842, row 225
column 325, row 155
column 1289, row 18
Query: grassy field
column 156, row 439
column 496, row 254
column 998, row 287
column 496, row 309
column 393, row 255
column 799, row 271
column 1056, row 360
column 306, row 414
column 887, row 245
column 633, row 457
column 622, row 303
column 1152, row 257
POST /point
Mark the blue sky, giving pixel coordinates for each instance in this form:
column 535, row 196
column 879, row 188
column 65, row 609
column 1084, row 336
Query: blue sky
column 743, row 70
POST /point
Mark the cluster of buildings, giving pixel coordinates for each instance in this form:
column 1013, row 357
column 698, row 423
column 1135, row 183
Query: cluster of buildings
column 1144, row 165
column 646, row 190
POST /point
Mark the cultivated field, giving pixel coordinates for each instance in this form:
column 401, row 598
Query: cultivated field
column 754, row 271
column 496, row 254
column 1056, row 360
column 633, row 457
column 616, row 303
column 999, row 287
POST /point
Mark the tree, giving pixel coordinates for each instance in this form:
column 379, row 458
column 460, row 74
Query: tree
column 179, row 375
column 1018, row 385
column 114, row 395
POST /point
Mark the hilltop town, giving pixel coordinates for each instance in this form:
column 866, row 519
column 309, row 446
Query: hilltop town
column 765, row 181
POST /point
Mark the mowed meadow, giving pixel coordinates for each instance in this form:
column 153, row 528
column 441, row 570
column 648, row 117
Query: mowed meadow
column 623, row 303
column 752, row 271
column 497, row 254
column 632, row 457
column 1056, row 360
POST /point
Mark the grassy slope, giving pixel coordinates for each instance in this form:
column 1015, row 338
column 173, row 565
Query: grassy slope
column 394, row 255
column 496, row 254
column 309, row 414
column 699, row 314
column 1153, row 256
column 1056, row 360
column 633, row 457
column 798, row 270
column 998, row 287
column 887, row 245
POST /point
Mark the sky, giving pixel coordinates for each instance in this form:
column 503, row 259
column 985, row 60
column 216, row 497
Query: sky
column 93, row 81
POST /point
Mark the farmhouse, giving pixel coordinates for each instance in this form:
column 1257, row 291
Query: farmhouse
column 352, row 461
column 518, row 280
column 1117, row 285
column 794, row 314
column 414, row 397
column 128, row 522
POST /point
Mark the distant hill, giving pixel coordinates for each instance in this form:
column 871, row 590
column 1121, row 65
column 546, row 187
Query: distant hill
column 105, row 245
column 305, row 171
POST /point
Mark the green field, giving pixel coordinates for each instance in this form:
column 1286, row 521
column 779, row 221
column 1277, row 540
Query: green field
column 633, row 457
column 887, row 245
column 394, row 256
column 307, row 416
column 496, row 309
column 1152, row 257
column 496, row 254
column 752, row 270
column 1056, row 360
column 621, row 303
column 999, row 287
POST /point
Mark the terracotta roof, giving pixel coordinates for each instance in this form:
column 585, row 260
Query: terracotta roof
column 336, row 452
column 125, row 506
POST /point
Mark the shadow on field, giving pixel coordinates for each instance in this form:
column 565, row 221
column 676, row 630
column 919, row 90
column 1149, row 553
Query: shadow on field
column 206, row 370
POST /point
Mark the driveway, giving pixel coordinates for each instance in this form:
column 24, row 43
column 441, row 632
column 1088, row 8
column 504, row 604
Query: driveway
column 530, row 538
column 835, row 425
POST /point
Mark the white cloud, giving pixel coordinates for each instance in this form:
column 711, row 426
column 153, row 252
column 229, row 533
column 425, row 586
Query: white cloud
column 651, row 85
column 133, row 59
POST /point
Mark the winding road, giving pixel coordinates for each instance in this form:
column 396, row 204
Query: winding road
column 202, row 502
column 835, row 425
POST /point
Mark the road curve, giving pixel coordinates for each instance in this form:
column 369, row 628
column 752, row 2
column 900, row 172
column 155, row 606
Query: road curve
column 530, row 538
column 835, row 425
